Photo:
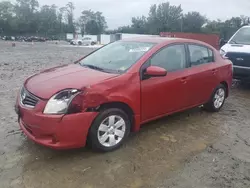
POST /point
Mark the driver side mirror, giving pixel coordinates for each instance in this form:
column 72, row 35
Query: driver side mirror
column 155, row 71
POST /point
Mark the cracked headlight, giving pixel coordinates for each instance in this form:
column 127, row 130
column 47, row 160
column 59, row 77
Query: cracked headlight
column 59, row 103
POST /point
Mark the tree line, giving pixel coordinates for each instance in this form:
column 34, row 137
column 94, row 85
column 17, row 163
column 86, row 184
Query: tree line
column 26, row 17
column 165, row 17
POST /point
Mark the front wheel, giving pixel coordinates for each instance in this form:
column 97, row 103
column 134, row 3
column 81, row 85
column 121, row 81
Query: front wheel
column 217, row 100
column 109, row 130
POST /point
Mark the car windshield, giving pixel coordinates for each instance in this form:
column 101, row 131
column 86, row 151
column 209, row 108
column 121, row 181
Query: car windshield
column 241, row 37
column 116, row 57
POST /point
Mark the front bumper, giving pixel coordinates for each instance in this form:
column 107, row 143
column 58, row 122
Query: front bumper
column 54, row 131
column 241, row 73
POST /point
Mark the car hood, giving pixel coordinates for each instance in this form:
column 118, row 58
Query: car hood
column 48, row 82
column 236, row 48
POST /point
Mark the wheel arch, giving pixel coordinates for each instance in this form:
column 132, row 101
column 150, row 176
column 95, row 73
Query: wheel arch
column 117, row 104
column 120, row 105
column 225, row 84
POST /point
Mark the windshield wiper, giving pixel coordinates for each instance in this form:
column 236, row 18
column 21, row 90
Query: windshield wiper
column 102, row 69
column 94, row 67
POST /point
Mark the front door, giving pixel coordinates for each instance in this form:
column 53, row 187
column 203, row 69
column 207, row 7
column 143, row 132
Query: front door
column 164, row 95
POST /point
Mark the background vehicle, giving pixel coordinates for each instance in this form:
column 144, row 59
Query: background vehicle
column 107, row 94
column 76, row 42
column 85, row 41
column 34, row 39
column 8, row 38
column 88, row 41
column 237, row 49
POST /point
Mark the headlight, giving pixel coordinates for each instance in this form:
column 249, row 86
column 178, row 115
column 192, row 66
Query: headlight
column 59, row 103
column 223, row 53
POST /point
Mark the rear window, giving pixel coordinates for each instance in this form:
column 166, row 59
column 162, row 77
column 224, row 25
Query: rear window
column 200, row 55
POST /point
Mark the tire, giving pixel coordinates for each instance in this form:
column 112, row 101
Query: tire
column 217, row 99
column 101, row 131
column 80, row 43
column 92, row 43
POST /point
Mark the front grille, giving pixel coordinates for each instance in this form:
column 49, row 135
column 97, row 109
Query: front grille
column 239, row 58
column 27, row 99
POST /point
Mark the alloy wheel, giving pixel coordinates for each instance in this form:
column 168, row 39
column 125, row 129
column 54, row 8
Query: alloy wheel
column 219, row 98
column 111, row 131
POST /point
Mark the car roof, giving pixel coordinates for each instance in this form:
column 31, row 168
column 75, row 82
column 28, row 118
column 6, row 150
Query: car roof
column 246, row 26
column 162, row 40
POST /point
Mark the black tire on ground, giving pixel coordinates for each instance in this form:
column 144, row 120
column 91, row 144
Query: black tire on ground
column 79, row 43
column 92, row 43
column 210, row 106
column 93, row 140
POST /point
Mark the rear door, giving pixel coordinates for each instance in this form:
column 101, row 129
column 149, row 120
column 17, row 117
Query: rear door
column 203, row 74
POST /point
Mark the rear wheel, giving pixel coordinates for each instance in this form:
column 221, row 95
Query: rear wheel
column 79, row 43
column 217, row 100
column 109, row 130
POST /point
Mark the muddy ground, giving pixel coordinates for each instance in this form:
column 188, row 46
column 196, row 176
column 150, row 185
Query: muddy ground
column 193, row 149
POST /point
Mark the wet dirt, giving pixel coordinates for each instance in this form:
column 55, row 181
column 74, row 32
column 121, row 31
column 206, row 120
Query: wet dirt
column 189, row 149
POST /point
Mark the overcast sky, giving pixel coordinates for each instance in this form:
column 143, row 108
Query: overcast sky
column 120, row 12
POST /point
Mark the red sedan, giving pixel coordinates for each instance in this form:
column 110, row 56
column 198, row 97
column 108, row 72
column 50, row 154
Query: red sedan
column 107, row 94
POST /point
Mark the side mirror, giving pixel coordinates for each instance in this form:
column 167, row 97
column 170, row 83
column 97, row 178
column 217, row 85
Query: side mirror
column 223, row 42
column 155, row 71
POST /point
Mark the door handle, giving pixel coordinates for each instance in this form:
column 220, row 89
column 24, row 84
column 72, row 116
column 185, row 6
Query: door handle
column 214, row 71
column 184, row 80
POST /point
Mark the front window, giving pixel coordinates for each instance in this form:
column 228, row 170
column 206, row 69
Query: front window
column 171, row 58
column 116, row 57
column 241, row 37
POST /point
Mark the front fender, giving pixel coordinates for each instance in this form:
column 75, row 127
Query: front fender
column 124, row 88
column 93, row 99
